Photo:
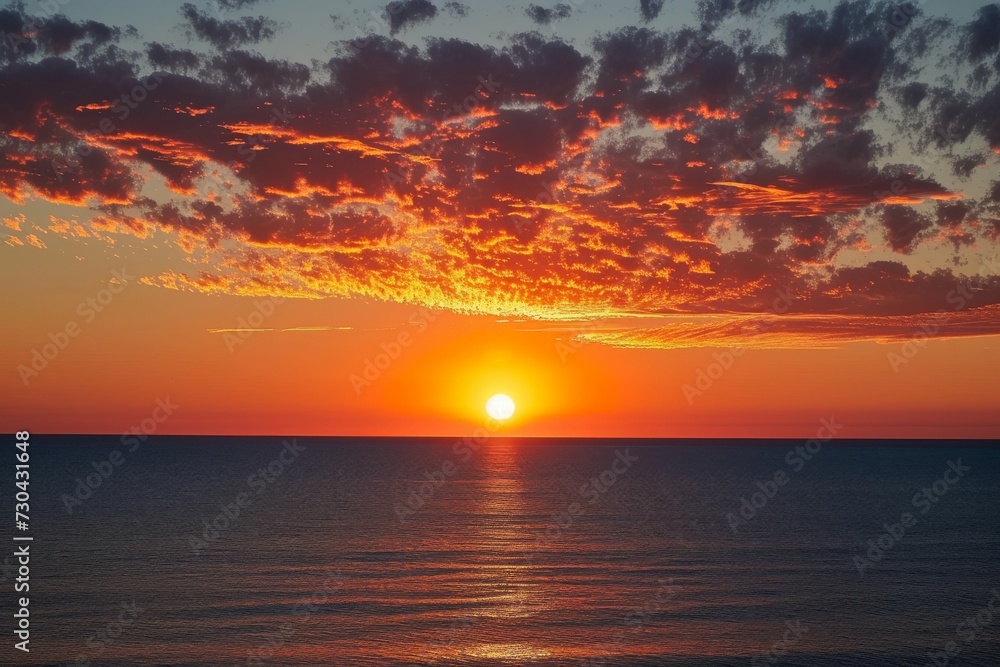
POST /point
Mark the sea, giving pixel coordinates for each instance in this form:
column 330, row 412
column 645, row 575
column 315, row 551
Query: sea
column 209, row 551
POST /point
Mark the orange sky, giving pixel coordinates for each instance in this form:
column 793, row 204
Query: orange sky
column 598, row 208
column 150, row 344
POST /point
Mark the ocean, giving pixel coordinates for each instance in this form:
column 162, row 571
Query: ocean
column 310, row 551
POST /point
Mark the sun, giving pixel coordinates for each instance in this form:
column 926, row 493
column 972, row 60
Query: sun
column 500, row 407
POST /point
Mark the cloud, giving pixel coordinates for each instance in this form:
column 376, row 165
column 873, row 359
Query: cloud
column 236, row 4
column 802, row 331
column 403, row 14
column 545, row 16
column 456, row 8
column 228, row 33
column 648, row 172
column 26, row 35
column 984, row 32
column 240, row 69
column 650, row 9
column 903, row 225
column 166, row 57
column 296, row 329
column 913, row 94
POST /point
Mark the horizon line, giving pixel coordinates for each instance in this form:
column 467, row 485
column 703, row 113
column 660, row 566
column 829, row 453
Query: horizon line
column 560, row 439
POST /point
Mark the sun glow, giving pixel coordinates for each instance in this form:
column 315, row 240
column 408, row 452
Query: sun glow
column 500, row 407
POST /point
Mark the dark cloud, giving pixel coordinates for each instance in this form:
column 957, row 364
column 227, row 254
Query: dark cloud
column 228, row 33
column 902, row 226
column 240, row 69
column 890, row 288
column 406, row 13
column 456, row 8
column 25, row 35
column 544, row 16
column 994, row 194
column 952, row 214
column 549, row 70
column 713, row 79
column 843, row 52
column 959, row 115
column 713, row 11
column 913, row 94
column 984, row 32
column 967, row 165
column 166, row 57
column 650, row 9
column 236, row 4
column 626, row 58
column 60, row 34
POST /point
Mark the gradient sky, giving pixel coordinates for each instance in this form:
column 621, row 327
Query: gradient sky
column 647, row 218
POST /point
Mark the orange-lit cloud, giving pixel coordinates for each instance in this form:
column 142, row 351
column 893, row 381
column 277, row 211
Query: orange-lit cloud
column 771, row 331
column 538, row 179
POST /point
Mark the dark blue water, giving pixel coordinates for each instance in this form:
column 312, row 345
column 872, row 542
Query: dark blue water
column 248, row 552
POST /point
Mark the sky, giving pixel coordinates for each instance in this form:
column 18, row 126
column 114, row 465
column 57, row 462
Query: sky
column 648, row 218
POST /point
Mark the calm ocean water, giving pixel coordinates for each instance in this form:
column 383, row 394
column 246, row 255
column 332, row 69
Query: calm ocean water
column 216, row 552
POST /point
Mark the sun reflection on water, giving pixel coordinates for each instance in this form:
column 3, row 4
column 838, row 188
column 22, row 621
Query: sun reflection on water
column 507, row 652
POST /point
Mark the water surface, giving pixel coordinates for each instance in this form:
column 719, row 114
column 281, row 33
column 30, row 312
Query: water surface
column 345, row 554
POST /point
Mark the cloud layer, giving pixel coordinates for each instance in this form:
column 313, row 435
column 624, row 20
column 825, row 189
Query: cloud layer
column 849, row 158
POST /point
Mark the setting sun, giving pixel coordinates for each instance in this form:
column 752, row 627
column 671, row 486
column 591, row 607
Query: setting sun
column 500, row 407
